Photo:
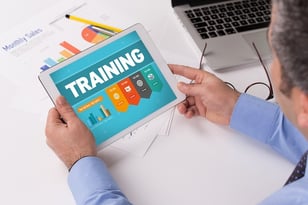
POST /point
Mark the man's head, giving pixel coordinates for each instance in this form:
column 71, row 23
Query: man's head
column 289, row 39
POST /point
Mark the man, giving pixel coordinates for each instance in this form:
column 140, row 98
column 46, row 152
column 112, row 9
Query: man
column 74, row 144
column 283, row 127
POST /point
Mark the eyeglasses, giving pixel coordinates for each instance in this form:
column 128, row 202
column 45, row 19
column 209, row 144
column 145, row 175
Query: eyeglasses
column 201, row 59
column 250, row 87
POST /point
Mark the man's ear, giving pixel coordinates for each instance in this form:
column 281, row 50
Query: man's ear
column 302, row 117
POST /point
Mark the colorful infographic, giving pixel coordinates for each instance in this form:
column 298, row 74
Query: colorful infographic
column 114, row 86
column 93, row 35
column 89, row 34
column 68, row 51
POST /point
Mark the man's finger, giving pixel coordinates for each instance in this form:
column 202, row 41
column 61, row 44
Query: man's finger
column 191, row 89
column 53, row 116
column 185, row 71
column 65, row 109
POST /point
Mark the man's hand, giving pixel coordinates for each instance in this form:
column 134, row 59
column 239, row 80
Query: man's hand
column 66, row 134
column 207, row 95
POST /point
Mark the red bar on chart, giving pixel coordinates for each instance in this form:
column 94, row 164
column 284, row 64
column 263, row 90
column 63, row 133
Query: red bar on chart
column 70, row 47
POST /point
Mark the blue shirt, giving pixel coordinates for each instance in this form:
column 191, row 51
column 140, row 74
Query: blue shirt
column 92, row 184
column 265, row 122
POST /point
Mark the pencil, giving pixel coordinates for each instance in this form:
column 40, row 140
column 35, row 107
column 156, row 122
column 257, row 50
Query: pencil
column 100, row 25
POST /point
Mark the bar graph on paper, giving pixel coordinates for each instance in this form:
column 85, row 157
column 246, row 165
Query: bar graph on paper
column 89, row 34
column 68, row 51
column 50, row 38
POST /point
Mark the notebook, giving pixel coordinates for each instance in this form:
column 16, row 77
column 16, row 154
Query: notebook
column 228, row 27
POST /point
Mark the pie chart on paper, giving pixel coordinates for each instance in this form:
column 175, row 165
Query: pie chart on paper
column 93, row 35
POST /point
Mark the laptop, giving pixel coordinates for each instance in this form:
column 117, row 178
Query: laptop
column 228, row 27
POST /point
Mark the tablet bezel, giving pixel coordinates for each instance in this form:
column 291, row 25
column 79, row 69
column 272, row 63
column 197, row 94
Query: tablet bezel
column 53, row 92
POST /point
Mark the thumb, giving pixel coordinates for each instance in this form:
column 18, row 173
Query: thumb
column 191, row 89
column 65, row 109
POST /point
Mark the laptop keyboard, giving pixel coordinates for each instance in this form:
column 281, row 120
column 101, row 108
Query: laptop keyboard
column 229, row 18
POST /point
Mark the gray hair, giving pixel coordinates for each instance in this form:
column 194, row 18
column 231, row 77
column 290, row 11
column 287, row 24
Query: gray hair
column 290, row 43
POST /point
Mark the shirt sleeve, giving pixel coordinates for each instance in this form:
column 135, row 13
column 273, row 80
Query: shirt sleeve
column 265, row 122
column 92, row 184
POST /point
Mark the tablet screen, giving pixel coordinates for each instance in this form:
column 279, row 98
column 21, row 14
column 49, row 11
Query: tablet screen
column 115, row 86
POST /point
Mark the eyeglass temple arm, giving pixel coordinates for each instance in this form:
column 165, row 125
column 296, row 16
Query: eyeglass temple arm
column 271, row 95
column 202, row 55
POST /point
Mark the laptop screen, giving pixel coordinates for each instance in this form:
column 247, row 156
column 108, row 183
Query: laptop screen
column 195, row 2
column 202, row 2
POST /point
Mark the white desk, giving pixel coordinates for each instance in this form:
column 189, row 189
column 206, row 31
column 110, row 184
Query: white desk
column 198, row 163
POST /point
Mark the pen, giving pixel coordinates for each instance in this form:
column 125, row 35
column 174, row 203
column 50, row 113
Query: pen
column 96, row 24
column 104, row 31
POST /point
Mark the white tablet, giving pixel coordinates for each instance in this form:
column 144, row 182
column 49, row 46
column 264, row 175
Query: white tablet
column 115, row 86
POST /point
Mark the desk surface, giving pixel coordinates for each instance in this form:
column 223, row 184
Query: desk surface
column 198, row 163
